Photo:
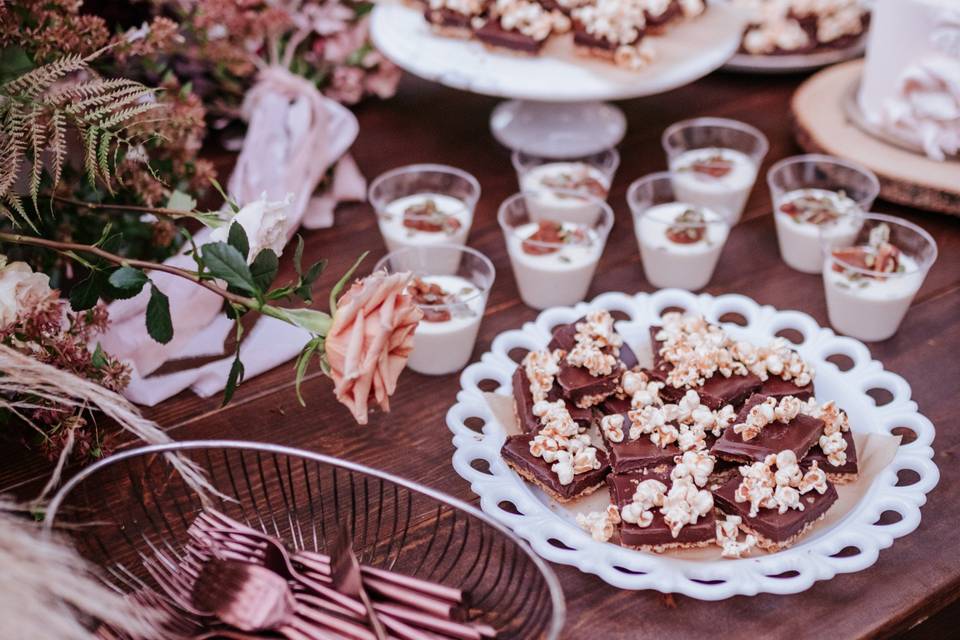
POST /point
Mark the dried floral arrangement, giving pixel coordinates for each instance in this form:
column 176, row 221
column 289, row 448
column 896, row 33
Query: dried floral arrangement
column 152, row 144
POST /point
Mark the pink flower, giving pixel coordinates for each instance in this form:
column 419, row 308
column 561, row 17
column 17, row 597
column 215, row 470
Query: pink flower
column 346, row 85
column 370, row 340
column 338, row 47
column 383, row 81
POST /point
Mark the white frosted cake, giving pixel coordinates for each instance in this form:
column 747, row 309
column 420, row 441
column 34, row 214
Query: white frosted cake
column 911, row 81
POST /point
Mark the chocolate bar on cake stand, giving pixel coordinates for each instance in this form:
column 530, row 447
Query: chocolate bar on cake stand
column 557, row 101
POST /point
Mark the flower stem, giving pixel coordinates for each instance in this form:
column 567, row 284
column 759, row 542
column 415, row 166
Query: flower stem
column 97, row 206
column 194, row 277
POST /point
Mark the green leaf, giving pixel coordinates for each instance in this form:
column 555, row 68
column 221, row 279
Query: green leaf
column 234, row 379
column 226, row 263
column 264, row 268
column 180, row 201
column 85, row 293
column 216, row 185
column 303, row 362
column 128, row 280
column 99, row 358
column 159, row 325
column 316, row 322
column 337, row 288
column 237, row 238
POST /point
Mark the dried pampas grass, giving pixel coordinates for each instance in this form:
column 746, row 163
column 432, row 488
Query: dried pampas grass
column 48, row 592
column 24, row 380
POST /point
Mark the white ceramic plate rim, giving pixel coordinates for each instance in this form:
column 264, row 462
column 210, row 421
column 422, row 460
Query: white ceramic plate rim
column 789, row 571
column 689, row 51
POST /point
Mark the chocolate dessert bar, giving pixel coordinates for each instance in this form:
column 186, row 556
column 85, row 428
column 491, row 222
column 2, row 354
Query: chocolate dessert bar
column 579, row 386
column 843, row 474
column 520, row 25
column 523, row 404
column 657, row 536
column 777, row 387
column 516, row 453
column 798, row 436
column 657, row 22
column 602, row 28
column 564, row 337
column 775, row 530
column 492, row 34
column 716, row 392
column 634, row 455
column 453, row 18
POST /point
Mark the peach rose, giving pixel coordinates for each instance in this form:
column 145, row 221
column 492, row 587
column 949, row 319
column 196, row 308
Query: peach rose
column 370, row 340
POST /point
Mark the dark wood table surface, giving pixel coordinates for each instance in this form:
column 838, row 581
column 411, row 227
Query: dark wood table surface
column 917, row 577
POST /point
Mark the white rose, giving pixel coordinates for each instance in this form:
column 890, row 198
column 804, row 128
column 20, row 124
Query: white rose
column 265, row 224
column 20, row 290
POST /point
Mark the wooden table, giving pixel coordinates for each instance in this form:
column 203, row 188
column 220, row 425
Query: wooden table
column 427, row 123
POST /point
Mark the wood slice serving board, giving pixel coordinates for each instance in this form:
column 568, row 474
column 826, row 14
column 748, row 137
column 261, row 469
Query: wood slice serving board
column 906, row 177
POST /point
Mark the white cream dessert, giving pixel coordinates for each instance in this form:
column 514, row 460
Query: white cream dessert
column 806, row 217
column 715, row 178
column 426, row 219
column 553, row 262
column 911, row 79
column 452, row 309
column 546, row 203
column 870, row 287
column 680, row 244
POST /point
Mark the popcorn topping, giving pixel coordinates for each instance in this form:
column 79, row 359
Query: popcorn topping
column 642, row 390
column 696, row 349
column 541, row 367
column 612, row 427
column 529, row 18
column 560, row 442
column 768, row 412
column 728, row 534
column 600, row 524
column 765, row 488
column 695, row 465
column 464, row 7
column 685, row 504
column 649, row 494
column 776, row 359
column 597, row 344
column 616, row 21
column 685, row 423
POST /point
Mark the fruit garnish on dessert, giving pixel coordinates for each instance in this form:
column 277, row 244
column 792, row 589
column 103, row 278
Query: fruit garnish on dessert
column 714, row 166
column 427, row 216
column 549, row 237
column 689, row 227
column 576, row 180
column 430, row 296
column 813, row 209
column 878, row 258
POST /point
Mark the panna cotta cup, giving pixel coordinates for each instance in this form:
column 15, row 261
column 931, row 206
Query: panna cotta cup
column 452, row 302
column 553, row 260
column 592, row 175
column 818, row 197
column 423, row 205
column 714, row 162
column 680, row 243
column 871, row 281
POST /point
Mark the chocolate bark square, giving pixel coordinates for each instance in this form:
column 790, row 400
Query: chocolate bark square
column 448, row 21
column 798, row 435
column 523, row 404
column 633, row 455
column 773, row 529
column 494, row 35
column 716, row 392
column 844, row 473
column 564, row 337
column 657, row 536
column 777, row 387
column 516, row 453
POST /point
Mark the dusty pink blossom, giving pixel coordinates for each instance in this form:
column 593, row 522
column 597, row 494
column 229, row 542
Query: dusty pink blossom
column 340, row 45
column 383, row 81
column 346, row 85
column 370, row 340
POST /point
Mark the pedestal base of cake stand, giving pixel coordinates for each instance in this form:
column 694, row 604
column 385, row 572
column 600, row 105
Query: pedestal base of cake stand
column 558, row 129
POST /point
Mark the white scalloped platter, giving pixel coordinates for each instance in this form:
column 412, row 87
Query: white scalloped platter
column 852, row 543
column 686, row 53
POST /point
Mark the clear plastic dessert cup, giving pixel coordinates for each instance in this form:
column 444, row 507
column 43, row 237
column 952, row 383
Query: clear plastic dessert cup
column 452, row 302
column 425, row 204
column 591, row 174
column 714, row 162
column 680, row 243
column 553, row 260
column 868, row 292
column 814, row 196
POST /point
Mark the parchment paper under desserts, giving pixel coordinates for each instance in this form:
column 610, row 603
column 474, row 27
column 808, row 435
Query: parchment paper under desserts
column 875, row 451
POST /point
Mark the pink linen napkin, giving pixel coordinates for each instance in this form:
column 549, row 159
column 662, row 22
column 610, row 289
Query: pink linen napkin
column 295, row 135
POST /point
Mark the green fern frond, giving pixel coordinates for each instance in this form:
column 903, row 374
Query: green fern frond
column 36, row 81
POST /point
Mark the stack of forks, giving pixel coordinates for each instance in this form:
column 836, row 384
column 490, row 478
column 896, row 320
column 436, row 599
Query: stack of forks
column 234, row 582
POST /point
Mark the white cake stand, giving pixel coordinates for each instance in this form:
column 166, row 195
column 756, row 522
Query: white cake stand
column 557, row 100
